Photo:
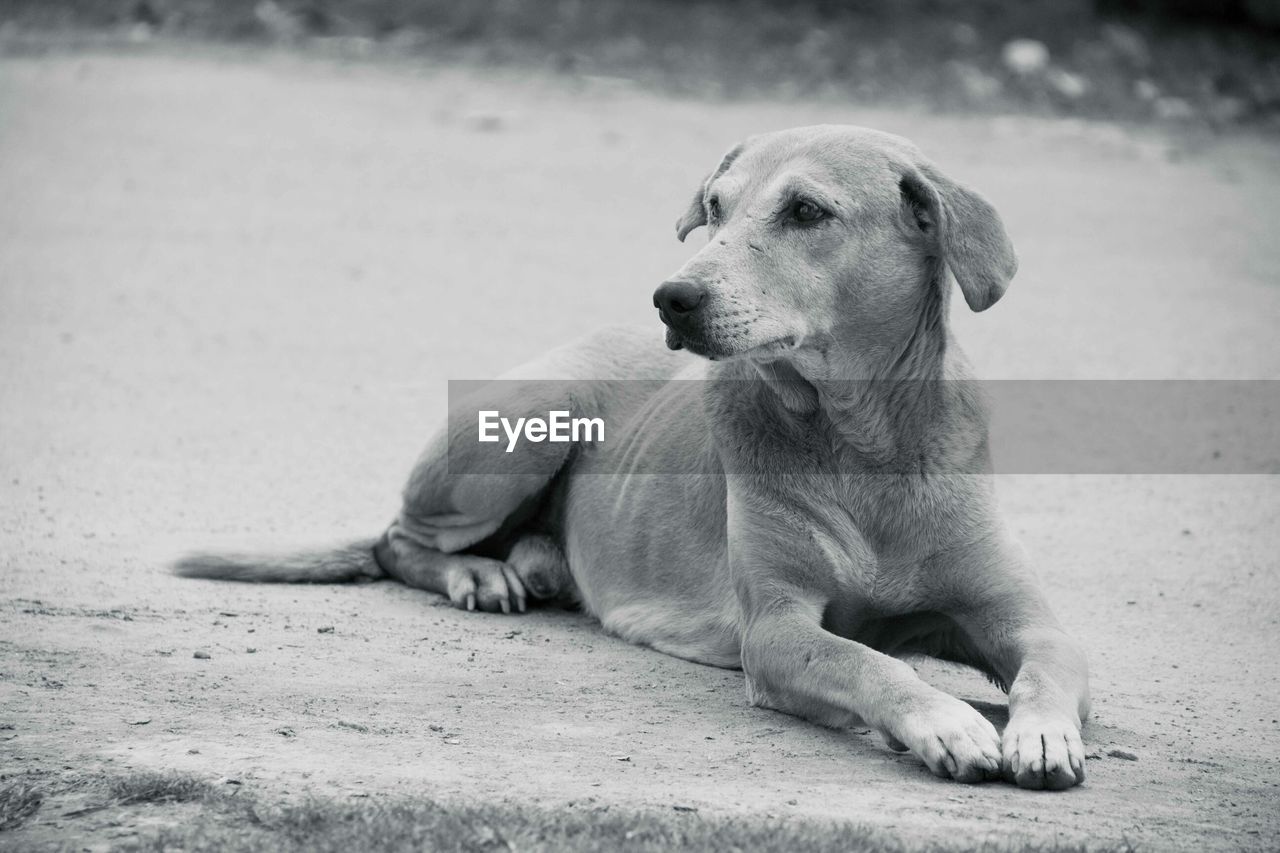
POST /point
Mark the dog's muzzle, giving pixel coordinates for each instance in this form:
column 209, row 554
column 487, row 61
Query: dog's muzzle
column 678, row 304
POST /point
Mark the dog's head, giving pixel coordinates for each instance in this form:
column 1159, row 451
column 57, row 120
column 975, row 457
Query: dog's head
column 823, row 236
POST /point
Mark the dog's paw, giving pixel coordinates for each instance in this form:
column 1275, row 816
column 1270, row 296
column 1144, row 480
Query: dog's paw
column 1042, row 752
column 952, row 739
column 490, row 585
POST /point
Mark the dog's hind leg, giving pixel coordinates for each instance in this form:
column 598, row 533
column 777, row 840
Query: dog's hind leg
column 465, row 528
column 469, row 581
column 534, row 569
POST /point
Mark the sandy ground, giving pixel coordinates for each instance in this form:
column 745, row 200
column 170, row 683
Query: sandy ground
column 232, row 288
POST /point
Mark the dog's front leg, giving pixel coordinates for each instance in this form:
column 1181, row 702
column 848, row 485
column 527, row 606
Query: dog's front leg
column 792, row 664
column 995, row 598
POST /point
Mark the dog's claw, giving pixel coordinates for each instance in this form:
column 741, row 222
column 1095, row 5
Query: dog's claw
column 952, row 739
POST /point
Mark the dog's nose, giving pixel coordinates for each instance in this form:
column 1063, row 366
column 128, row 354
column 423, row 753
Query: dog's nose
column 677, row 299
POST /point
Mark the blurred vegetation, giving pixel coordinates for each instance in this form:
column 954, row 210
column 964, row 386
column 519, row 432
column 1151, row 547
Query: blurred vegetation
column 1203, row 61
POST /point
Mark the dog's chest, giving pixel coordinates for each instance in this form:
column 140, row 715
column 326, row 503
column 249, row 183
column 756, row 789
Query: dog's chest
column 877, row 533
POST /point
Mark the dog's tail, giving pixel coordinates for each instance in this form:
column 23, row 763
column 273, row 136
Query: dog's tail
column 341, row 564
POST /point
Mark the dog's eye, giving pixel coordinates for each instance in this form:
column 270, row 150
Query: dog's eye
column 807, row 211
column 713, row 210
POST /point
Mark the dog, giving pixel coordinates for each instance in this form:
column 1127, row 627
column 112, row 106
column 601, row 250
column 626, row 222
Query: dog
column 825, row 510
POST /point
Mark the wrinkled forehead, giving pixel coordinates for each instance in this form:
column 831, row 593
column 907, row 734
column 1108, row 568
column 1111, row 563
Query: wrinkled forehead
column 856, row 163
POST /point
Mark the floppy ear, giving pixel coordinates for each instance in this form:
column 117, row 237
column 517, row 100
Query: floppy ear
column 696, row 216
column 966, row 231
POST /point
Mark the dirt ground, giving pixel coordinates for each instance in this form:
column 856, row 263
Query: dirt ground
column 233, row 286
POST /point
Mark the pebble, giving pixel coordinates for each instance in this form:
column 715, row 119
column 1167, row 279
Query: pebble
column 201, row 654
column 1025, row 56
column 1069, row 85
column 1122, row 753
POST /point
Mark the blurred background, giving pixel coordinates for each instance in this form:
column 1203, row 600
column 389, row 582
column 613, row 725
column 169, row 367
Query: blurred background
column 1215, row 61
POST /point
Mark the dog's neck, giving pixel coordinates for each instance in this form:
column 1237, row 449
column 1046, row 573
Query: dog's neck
column 885, row 406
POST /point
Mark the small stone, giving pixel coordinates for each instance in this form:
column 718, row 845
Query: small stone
column 1069, row 85
column 327, row 629
column 1025, row 56
column 201, row 654
column 1122, row 753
